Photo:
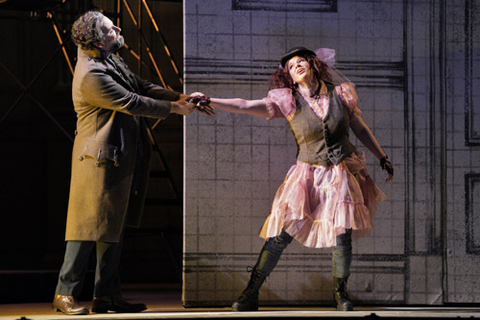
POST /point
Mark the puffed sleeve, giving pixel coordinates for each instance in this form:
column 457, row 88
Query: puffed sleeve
column 347, row 93
column 280, row 103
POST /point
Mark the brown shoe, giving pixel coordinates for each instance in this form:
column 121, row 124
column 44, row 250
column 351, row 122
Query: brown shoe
column 116, row 304
column 68, row 305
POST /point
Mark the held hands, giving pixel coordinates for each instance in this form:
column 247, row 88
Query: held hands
column 201, row 103
column 188, row 103
column 387, row 166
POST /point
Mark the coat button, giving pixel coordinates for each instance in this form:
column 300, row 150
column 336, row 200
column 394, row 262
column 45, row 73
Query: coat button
column 80, row 158
column 98, row 164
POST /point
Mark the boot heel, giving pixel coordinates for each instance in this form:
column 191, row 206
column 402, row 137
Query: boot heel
column 251, row 305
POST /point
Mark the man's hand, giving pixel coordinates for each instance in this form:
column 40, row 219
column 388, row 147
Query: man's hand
column 202, row 103
column 182, row 107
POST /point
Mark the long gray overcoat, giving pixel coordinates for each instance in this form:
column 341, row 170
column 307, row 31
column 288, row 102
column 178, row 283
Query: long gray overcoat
column 111, row 152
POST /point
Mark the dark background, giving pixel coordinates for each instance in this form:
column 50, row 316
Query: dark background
column 37, row 122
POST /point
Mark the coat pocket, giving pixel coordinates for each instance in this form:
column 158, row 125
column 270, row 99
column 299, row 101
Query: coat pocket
column 101, row 152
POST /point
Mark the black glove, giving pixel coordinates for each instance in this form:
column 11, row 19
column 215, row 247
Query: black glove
column 386, row 165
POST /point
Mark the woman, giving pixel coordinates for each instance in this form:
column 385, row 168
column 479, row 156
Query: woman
column 327, row 195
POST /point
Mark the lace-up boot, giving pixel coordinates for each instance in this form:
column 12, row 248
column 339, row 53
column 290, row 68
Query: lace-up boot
column 267, row 260
column 248, row 300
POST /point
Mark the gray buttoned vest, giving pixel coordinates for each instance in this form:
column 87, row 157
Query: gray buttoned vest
column 322, row 142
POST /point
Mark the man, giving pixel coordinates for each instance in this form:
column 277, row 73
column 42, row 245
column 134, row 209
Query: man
column 110, row 162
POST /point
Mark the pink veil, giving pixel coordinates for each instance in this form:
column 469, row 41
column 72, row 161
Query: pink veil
column 327, row 55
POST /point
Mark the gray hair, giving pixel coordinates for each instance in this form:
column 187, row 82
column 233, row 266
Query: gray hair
column 86, row 30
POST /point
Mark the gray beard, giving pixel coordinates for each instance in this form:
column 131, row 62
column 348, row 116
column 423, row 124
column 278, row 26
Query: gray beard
column 118, row 44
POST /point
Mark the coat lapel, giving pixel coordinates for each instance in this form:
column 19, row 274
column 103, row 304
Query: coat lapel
column 125, row 74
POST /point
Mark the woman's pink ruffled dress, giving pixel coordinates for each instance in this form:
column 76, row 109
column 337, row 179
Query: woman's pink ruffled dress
column 315, row 204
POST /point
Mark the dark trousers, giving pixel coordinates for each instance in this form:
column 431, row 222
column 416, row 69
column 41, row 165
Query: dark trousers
column 75, row 264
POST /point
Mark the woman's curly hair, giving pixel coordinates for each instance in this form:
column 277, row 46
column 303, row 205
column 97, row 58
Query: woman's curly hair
column 281, row 78
column 87, row 30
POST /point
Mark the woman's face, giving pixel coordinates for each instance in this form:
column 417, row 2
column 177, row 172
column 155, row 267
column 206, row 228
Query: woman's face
column 299, row 70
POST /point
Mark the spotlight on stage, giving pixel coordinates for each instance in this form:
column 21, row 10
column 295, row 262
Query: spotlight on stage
column 29, row 5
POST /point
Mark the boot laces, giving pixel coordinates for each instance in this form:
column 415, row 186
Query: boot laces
column 255, row 278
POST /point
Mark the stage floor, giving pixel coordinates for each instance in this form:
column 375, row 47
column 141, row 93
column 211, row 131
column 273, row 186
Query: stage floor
column 167, row 305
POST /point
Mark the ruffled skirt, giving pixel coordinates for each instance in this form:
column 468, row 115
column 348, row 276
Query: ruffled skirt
column 315, row 204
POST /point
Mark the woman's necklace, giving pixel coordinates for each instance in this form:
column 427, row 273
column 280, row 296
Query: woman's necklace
column 321, row 90
column 318, row 101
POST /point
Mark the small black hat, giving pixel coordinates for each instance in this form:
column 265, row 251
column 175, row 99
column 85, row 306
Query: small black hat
column 295, row 51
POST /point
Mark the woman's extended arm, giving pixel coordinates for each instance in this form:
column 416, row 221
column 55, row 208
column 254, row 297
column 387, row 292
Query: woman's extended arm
column 257, row 108
column 365, row 135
